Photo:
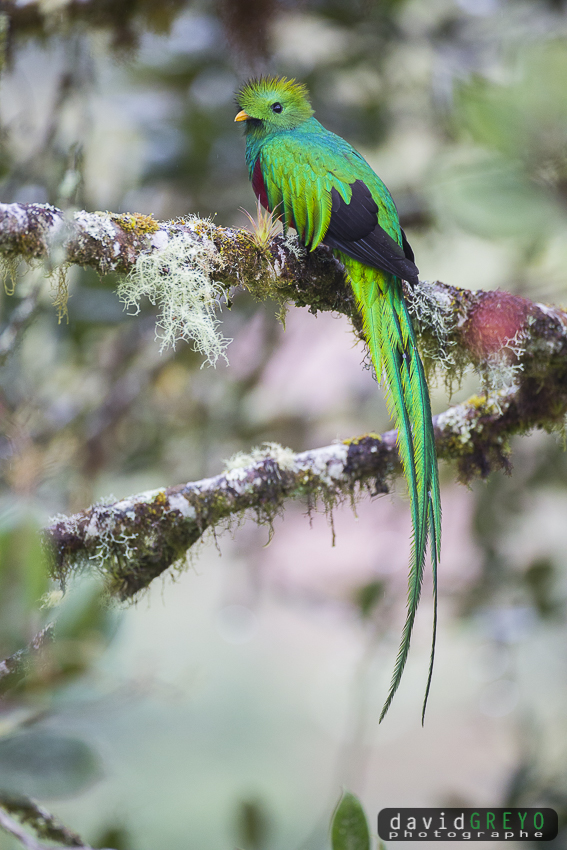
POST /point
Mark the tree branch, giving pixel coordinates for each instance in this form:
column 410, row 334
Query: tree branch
column 109, row 242
column 18, row 665
column 136, row 539
column 458, row 327
column 13, row 828
column 520, row 349
column 40, row 820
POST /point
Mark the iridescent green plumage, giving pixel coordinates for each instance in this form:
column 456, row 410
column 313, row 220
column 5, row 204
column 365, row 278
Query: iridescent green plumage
column 322, row 186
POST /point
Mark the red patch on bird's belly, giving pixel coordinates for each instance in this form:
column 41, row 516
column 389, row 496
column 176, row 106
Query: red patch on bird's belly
column 259, row 186
column 494, row 322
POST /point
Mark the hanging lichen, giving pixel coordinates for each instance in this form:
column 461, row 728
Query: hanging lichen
column 177, row 278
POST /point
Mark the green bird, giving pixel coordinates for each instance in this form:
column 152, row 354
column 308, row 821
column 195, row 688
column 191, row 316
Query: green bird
column 321, row 186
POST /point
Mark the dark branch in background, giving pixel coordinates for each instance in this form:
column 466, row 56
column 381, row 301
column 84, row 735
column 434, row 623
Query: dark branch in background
column 22, row 317
column 28, row 811
column 18, row 665
column 519, row 347
column 247, row 26
column 125, row 19
column 134, row 363
column 246, row 22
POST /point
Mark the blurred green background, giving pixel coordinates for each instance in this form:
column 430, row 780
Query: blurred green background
column 228, row 707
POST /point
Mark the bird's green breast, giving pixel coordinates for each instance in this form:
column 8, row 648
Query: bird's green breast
column 315, row 160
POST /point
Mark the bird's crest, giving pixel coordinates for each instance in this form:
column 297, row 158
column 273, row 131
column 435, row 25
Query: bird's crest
column 273, row 103
column 265, row 86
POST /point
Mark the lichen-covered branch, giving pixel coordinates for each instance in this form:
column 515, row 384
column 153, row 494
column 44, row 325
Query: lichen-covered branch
column 135, row 540
column 109, row 242
column 187, row 267
column 44, row 824
column 12, row 827
column 190, row 265
column 41, row 821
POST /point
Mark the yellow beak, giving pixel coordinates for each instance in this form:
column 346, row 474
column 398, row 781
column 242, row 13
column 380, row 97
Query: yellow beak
column 242, row 116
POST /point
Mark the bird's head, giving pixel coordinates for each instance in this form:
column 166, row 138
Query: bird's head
column 272, row 104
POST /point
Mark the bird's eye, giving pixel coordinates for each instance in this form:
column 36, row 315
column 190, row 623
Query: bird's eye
column 277, row 107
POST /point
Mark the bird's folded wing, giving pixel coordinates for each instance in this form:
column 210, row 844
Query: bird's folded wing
column 354, row 229
column 324, row 195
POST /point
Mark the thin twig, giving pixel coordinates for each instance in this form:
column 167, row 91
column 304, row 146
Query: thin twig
column 18, row 665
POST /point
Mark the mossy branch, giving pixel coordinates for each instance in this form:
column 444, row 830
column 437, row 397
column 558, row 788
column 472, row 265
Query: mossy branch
column 457, row 327
column 44, row 824
column 519, row 347
column 137, row 539
column 41, row 821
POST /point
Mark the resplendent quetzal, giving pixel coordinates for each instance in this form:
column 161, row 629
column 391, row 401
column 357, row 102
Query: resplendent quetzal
column 320, row 185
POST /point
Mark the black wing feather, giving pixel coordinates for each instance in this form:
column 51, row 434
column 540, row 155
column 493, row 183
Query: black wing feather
column 354, row 229
column 407, row 247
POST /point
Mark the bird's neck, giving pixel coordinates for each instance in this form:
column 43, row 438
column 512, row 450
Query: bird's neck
column 255, row 141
